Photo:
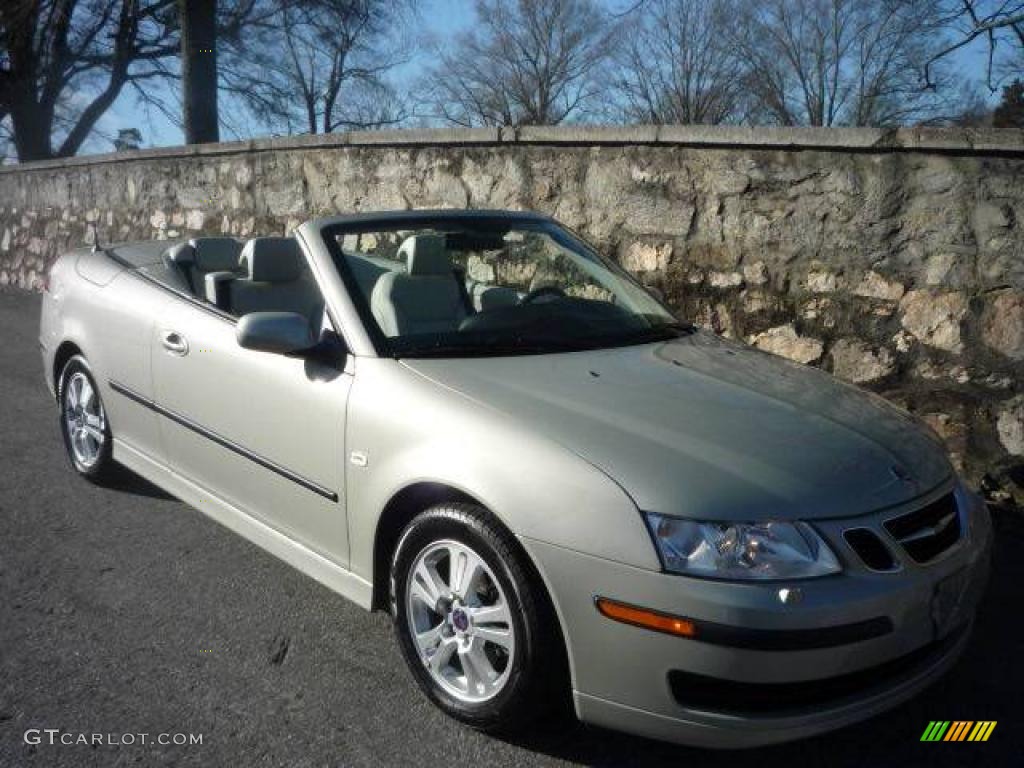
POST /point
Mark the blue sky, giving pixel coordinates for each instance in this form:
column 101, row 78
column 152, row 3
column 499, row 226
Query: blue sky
column 437, row 17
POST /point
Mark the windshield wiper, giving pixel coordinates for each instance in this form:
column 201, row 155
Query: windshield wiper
column 533, row 346
column 494, row 349
column 684, row 329
column 659, row 332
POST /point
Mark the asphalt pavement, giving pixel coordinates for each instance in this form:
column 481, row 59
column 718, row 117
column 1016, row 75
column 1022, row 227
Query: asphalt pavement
column 125, row 612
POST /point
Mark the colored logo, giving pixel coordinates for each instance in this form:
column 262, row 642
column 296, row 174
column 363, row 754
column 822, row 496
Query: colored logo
column 958, row 730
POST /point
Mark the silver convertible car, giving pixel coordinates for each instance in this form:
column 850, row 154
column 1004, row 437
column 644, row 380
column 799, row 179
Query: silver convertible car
column 563, row 495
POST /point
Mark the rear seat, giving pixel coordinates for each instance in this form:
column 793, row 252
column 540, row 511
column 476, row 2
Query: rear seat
column 274, row 279
column 201, row 256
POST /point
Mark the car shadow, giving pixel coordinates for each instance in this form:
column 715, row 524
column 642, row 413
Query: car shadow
column 126, row 481
column 984, row 685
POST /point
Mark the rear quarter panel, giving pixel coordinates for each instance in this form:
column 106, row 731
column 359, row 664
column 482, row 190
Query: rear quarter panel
column 108, row 313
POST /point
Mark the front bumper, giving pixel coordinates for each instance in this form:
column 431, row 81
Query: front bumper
column 712, row 695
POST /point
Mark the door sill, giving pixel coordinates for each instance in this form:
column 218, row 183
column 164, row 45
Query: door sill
column 314, row 565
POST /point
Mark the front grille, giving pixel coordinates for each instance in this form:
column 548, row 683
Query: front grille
column 927, row 532
column 780, row 699
column 870, row 549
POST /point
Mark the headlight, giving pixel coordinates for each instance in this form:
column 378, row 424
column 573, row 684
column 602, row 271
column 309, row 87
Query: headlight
column 747, row 551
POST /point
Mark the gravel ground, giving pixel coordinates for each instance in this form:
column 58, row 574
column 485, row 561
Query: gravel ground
column 125, row 611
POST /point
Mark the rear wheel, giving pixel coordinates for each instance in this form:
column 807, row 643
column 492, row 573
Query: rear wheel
column 473, row 622
column 83, row 422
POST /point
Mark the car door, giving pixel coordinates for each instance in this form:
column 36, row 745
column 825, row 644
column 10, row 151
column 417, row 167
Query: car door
column 262, row 431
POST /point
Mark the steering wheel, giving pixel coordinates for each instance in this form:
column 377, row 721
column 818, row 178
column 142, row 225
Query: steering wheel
column 544, row 290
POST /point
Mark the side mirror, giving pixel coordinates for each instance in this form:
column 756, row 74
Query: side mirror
column 282, row 333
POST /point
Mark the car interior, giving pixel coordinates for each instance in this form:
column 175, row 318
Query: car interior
column 425, row 284
column 194, row 259
column 267, row 274
column 422, row 289
column 428, row 297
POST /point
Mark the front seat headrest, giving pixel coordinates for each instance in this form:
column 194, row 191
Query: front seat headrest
column 425, row 255
column 182, row 255
column 272, row 259
column 545, row 277
column 215, row 254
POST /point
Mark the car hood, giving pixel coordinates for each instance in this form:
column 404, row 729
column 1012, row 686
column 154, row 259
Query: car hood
column 707, row 428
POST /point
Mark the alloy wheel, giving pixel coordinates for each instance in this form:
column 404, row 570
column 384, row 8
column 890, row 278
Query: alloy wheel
column 84, row 419
column 460, row 621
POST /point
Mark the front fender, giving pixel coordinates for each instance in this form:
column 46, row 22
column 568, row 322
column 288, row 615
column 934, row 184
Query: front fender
column 413, row 430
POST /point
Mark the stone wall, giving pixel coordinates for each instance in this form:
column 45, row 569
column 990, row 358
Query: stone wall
column 893, row 259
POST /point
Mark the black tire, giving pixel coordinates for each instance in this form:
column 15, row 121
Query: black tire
column 537, row 683
column 103, row 468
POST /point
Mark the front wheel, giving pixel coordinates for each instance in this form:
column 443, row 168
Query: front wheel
column 83, row 422
column 473, row 622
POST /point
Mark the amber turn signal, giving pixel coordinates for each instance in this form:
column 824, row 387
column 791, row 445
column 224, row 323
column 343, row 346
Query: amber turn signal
column 641, row 617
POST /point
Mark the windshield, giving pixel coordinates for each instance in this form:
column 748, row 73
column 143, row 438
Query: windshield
column 471, row 287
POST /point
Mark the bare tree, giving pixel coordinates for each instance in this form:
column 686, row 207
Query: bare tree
column 64, row 62
column 523, row 62
column 892, row 40
column 842, row 62
column 998, row 23
column 319, row 65
column 198, row 19
column 678, row 65
column 203, row 24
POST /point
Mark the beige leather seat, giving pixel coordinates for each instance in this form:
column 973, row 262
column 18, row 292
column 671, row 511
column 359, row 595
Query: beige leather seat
column 275, row 279
column 426, row 298
column 486, row 297
column 365, row 272
column 202, row 255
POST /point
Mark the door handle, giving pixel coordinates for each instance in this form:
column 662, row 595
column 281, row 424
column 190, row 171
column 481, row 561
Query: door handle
column 174, row 343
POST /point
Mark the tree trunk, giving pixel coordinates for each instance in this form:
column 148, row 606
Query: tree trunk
column 31, row 133
column 199, row 70
column 31, row 122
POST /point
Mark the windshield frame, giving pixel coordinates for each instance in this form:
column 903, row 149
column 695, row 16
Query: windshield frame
column 332, row 233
